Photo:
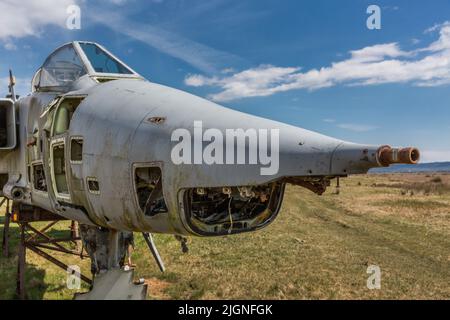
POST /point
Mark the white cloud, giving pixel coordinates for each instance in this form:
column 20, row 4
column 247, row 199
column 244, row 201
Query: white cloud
column 10, row 46
column 264, row 80
column 389, row 8
column 31, row 17
column 228, row 70
column 377, row 64
column 357, row 127
column 122, row 2
column 434, row 155
column 436, row 27
column 118, row 2
column 377, row 53
column 28, row 17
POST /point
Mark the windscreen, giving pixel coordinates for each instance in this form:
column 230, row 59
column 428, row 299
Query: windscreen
column 101, row 61
column 62, row 68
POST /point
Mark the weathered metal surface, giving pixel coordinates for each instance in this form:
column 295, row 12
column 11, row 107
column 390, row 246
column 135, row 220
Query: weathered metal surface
column 388, row 155
column 115, row 284
column 123, row 123
column 129, row 121
column 25, row 213
column 107, row 248
column 123, row 126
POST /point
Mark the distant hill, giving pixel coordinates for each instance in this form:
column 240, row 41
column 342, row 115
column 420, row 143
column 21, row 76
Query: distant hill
column 421, row 167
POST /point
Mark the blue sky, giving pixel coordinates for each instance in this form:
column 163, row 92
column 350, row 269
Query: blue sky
column 313, row 64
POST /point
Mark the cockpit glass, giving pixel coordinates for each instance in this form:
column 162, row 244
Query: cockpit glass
column 101, row 61
column 62, row 68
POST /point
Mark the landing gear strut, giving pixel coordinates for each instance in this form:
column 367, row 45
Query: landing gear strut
column 107, row 250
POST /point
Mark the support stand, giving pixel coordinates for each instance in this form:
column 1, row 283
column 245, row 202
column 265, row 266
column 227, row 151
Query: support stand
column 5, row 238
column 38, row 240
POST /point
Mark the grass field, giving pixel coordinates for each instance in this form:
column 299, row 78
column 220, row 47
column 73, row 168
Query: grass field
column 318, row 248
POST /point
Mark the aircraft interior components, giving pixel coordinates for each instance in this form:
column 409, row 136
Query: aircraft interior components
column 220, row 211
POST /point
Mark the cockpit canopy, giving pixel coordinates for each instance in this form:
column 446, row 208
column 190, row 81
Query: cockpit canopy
column 69, row 63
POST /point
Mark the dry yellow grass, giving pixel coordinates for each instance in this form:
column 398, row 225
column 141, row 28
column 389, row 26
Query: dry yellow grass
column 318, row 248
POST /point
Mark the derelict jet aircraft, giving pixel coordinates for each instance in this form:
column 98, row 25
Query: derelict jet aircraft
column 93, row 142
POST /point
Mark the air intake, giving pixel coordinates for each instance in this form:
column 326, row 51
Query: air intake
column 8, row 138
